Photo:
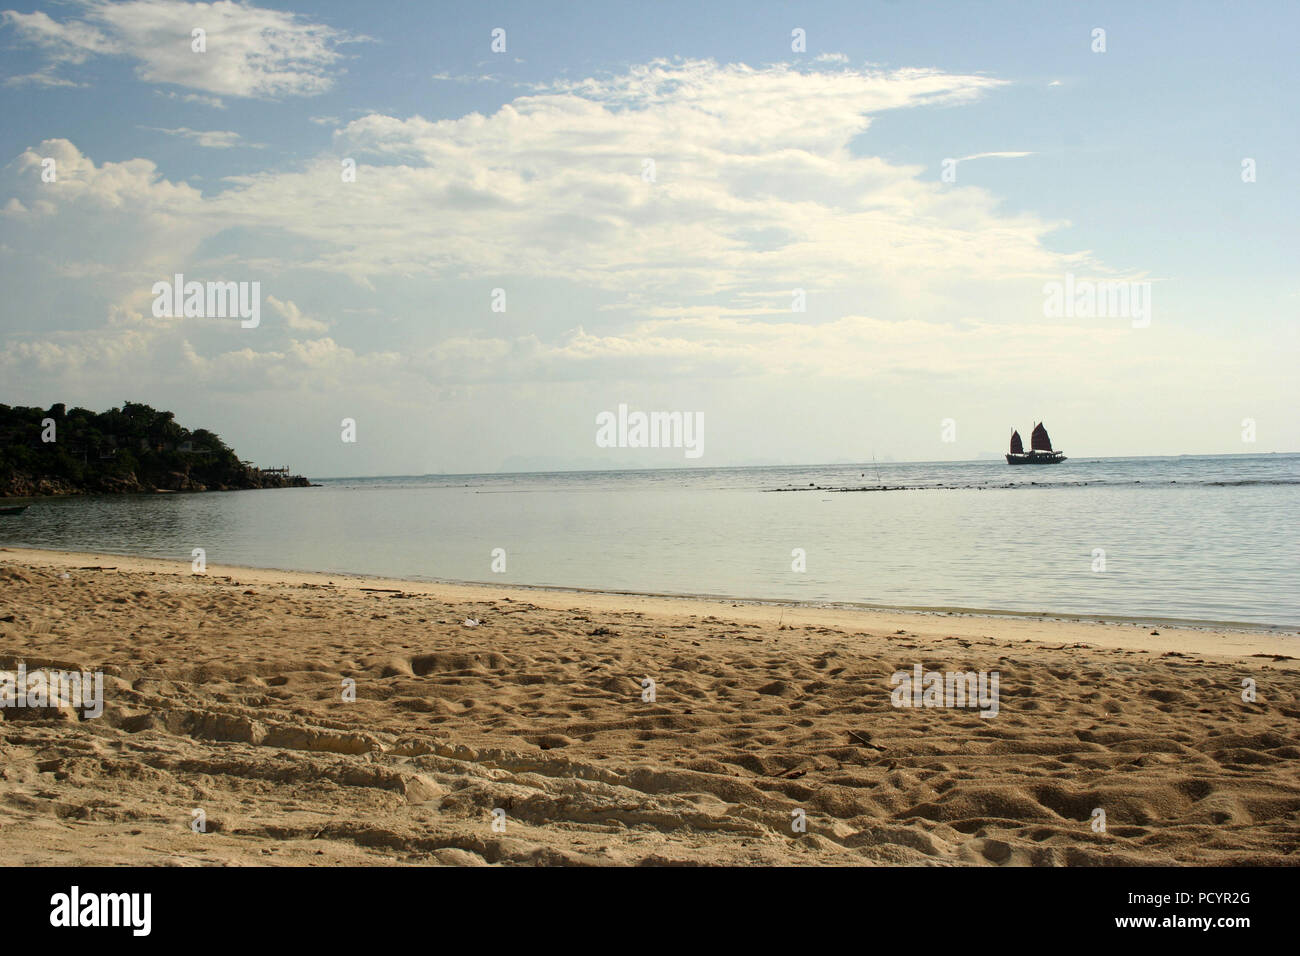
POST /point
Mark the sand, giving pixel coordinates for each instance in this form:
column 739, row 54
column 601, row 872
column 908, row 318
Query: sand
column 224, row 694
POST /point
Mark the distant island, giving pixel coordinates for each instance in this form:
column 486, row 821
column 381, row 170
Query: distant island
column 129, row 450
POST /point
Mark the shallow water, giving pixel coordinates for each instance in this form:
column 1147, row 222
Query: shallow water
column 1205, row 539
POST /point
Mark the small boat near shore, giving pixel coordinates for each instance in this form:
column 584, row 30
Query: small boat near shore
column 13, row 510
column 1040, row 449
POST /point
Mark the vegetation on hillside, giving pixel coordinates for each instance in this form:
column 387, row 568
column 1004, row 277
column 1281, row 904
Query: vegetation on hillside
column 134, row 448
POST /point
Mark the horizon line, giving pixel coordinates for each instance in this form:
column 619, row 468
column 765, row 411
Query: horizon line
column 841, row 464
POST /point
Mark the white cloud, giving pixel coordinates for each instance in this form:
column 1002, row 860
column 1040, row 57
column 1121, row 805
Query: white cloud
column 851, row 349
column 467, row 77
column 251, row 51
column 201, row 99
column 70, row 41
column 41, row 78
column 293, row 316
column 209, row 139
column 551, row 185
column 756, row 192
column 1002, row 155
column 122, row 216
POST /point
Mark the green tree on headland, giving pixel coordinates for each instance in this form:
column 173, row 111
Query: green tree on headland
column 134, row 448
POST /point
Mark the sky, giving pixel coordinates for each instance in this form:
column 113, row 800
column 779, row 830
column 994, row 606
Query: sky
column 616, row 206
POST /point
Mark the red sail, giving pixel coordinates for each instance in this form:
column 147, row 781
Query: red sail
column 1039, row 440
column 1017, row 446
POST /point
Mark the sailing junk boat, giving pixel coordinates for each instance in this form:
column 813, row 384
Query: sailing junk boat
column 1040, row 449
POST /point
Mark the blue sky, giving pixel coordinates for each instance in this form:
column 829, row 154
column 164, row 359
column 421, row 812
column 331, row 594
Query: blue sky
column 775, row 170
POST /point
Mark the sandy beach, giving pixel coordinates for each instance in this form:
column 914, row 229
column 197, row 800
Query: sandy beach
column 225, row 693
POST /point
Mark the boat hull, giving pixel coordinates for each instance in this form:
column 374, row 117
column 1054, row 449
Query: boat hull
column 1036, row 458
column 13, row 510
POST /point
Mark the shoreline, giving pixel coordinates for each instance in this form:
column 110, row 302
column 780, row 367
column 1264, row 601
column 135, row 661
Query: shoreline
column 148, row 492
column 1202, row 637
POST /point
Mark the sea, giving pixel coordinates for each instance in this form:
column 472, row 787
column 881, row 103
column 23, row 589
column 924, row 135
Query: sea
column 1206, row 540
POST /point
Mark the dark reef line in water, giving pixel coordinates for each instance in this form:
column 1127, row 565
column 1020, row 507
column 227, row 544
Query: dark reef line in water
column 987, row 486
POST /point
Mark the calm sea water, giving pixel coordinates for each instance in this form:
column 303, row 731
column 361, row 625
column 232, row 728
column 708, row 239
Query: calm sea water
column 1204, row 539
